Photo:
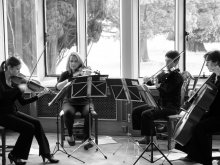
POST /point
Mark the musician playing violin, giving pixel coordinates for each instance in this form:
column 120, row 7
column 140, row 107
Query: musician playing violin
column 169, row 87
column 12, row 119
column 75, row 67
column 199, row 148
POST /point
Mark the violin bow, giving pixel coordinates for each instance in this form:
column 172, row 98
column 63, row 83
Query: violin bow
column 196, row 80
column 166, row 65
column 37, row 61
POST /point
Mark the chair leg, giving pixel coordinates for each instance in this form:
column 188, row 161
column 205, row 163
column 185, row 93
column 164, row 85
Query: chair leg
column 169, row 132
column 62, row 131
column 3, row 147
column 96, row 130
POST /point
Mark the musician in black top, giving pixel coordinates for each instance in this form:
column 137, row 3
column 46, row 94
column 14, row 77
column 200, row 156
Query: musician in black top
column 199, row 148
column 70, row 105
column 169, row 87
column 12, row 119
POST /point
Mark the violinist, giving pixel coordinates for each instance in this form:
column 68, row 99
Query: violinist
column 169, row 86
column 199, row 147
column 75, row 67
column 12, row 119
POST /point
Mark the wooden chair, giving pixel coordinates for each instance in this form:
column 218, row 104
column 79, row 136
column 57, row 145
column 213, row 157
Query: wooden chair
column 171, row 121
column 3, row 146
column 215, row 149
column 78, row 127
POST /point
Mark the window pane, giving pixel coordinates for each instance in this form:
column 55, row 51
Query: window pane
column 103, row 34
column 203, row 26
column 22, row 33
column 61, row 30
column 156, row 34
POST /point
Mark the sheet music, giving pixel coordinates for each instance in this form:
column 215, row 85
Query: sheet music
column 125, row 89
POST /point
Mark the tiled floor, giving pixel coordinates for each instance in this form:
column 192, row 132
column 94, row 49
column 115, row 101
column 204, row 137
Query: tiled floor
column 118, row 151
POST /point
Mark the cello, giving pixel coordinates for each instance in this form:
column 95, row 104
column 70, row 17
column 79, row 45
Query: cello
column 195, row 108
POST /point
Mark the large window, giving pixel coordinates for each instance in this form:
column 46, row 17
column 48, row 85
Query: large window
column 156, row 34
column 103, row 36
column 21, row 33
column 203, row 27
column 61, row 33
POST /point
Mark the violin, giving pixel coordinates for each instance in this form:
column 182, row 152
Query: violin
column 161, row 76
column 85, row 71
column 32, row 85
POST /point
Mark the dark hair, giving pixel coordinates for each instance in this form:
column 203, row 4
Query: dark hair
column 11, row 61
column 173, row 54
column 213, row 56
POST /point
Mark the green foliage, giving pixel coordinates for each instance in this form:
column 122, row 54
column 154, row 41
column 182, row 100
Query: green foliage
column 156, row 17
column 203, row 20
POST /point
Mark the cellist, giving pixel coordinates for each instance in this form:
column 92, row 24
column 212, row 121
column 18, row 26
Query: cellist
column 199, row 148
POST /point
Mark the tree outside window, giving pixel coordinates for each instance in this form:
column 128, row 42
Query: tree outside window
column 156, row 34
column 21, row 33
column 203, row 28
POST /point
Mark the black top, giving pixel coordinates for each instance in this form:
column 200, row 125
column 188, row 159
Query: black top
column 170, row 90
column 75, row 101
column 9, row 95
column 214, row 107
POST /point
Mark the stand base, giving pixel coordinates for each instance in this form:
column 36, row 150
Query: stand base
column 89, row 140
column 151, row 145
column 129, row 139
column 57, row 148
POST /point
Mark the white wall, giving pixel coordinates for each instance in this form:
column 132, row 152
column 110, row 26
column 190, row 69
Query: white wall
column 2, row 47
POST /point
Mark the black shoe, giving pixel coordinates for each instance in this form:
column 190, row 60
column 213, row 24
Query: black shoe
column 50, row 158
column 88, row 146
column 71, row 141
column 143, row 141
column 15, row 160
column 187, row 159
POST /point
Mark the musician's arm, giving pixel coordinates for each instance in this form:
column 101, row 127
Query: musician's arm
column 63, row 80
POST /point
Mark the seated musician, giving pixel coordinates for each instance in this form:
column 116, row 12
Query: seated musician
column 72, row 105
column 169, row 87
column 199, row 148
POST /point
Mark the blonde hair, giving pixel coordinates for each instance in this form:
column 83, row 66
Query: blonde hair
column 79, row 60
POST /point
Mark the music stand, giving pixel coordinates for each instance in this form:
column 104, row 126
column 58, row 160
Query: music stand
column 149, row 99
column 125, row 90
column 88, row 87
column 58, row 100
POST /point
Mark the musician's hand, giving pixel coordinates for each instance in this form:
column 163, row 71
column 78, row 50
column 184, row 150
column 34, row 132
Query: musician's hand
column 45, row 91
column 22, row 87
column 146, row 79
column 86, row 72
column 67, row 84
column 191, row 93
column 157, row 84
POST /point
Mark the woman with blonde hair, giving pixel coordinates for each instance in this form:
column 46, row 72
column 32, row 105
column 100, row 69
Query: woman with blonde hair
column 70, row 106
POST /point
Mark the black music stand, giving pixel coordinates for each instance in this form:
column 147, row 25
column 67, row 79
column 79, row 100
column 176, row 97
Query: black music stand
column 58, row 100
column 88, row 87
column 149, row 99
column 125, row 90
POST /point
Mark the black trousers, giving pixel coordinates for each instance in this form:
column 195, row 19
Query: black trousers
column 199, row 148
column 143, row 118
column 69, row 116
column 28, row 127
